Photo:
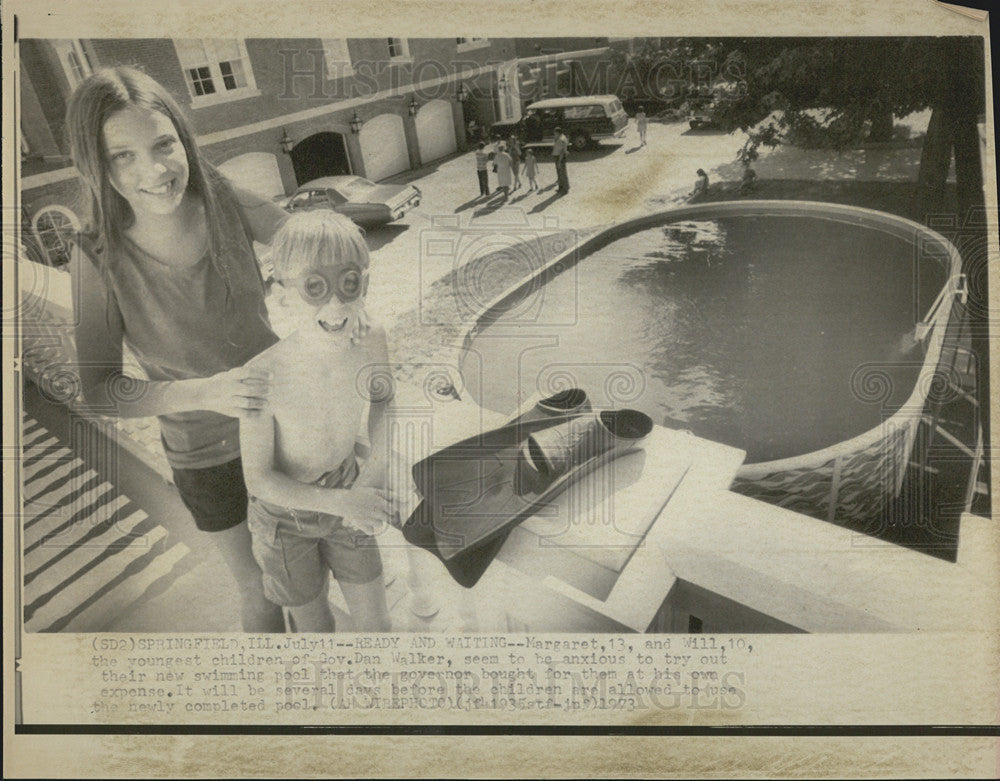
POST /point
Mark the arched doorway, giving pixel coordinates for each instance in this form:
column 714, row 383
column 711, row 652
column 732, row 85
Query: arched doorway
column 383, row 146
column 321, row 154
column 435, row 130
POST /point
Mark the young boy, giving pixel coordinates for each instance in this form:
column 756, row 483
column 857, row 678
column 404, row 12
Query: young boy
column 311, row 512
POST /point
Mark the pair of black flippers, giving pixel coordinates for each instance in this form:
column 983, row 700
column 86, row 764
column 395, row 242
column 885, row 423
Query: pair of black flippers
column 475, row 491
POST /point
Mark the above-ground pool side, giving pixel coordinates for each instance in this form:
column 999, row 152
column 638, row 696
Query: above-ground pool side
column 852, row 479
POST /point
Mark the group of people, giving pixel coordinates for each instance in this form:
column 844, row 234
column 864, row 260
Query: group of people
column 508, row 159
column 253, row 427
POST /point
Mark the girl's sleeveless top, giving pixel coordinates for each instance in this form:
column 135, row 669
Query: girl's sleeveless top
column 181, row 323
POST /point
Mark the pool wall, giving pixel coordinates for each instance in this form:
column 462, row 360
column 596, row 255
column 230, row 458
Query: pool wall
column 850, row 481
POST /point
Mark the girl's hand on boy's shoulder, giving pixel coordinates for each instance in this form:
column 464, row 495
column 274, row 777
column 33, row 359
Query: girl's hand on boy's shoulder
column 362, row 326
column 236, row 392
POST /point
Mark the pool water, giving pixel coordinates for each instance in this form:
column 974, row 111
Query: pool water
column 755, row 331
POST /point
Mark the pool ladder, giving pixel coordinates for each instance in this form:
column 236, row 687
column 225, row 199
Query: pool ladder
column 959, row 290
column 934, row 417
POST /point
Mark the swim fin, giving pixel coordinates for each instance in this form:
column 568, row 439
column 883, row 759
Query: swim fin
column 550, row 458
column 477, row 490
column 456, row 479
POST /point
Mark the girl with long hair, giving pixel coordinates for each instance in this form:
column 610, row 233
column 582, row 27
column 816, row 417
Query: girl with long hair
column 168, row 271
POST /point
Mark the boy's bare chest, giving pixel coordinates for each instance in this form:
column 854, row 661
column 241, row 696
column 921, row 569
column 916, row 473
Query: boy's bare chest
column 308, row 387
column 314, row 388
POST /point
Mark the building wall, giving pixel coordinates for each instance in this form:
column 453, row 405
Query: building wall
column 40, row 61
column 290, row 80
column 34, row 121
column 533, row 47
column 290, row 73
column 68, row 192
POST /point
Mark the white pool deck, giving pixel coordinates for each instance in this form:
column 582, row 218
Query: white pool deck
column 809, row 574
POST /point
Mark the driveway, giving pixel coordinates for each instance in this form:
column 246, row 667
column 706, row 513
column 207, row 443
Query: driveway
column 613, row 182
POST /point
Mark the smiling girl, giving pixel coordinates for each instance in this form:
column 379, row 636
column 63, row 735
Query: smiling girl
column 170, row 271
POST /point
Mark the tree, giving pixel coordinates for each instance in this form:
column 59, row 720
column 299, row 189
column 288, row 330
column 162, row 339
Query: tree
column 832, row 91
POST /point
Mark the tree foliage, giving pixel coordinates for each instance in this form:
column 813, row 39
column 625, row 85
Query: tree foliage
column 832, row 91
column 822, row 92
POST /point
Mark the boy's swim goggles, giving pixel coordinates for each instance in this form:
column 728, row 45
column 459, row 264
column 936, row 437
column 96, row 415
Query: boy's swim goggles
column 317, row 286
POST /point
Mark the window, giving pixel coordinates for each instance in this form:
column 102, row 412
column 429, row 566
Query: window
column 399, row 49
column 338, row 58
column 56, row 228
column 74, row 60
column 301, row 200
column 201, row 80
column 465, row 44
column 583, row 112
column 216, row 70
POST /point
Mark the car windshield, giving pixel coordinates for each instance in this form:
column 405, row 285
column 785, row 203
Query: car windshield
column 615, row 106
column 355, row 188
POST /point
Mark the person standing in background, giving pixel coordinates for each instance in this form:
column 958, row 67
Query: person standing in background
column 502, row 164
column 640, row 125
column 515, row 161
column 482, row 168
column 560, row 150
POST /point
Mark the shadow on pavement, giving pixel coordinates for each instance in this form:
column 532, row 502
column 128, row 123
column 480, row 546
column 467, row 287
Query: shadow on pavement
column 379, row 237
column 596, row 153
column 546, row 203
column 706, row 131
column 491, row 206
column 469, row 204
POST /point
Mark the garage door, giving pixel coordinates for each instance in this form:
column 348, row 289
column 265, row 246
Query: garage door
column 435, row 130
column 383, row 146
column 255, row 171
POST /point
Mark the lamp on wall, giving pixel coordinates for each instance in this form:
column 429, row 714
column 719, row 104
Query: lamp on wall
column 356, row 123
column 286, row 142
column 414, row 107
column 462, row 94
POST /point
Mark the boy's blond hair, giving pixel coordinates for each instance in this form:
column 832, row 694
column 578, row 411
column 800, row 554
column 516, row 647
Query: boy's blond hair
column 316, row 237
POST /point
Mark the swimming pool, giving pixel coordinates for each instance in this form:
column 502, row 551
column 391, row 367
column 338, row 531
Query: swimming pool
column 783, row 328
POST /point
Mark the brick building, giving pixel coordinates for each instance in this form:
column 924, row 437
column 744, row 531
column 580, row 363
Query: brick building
column 274, row 113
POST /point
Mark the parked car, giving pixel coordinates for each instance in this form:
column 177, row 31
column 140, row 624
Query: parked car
column 366, row 203
column 702, row 120
column 582, row 119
